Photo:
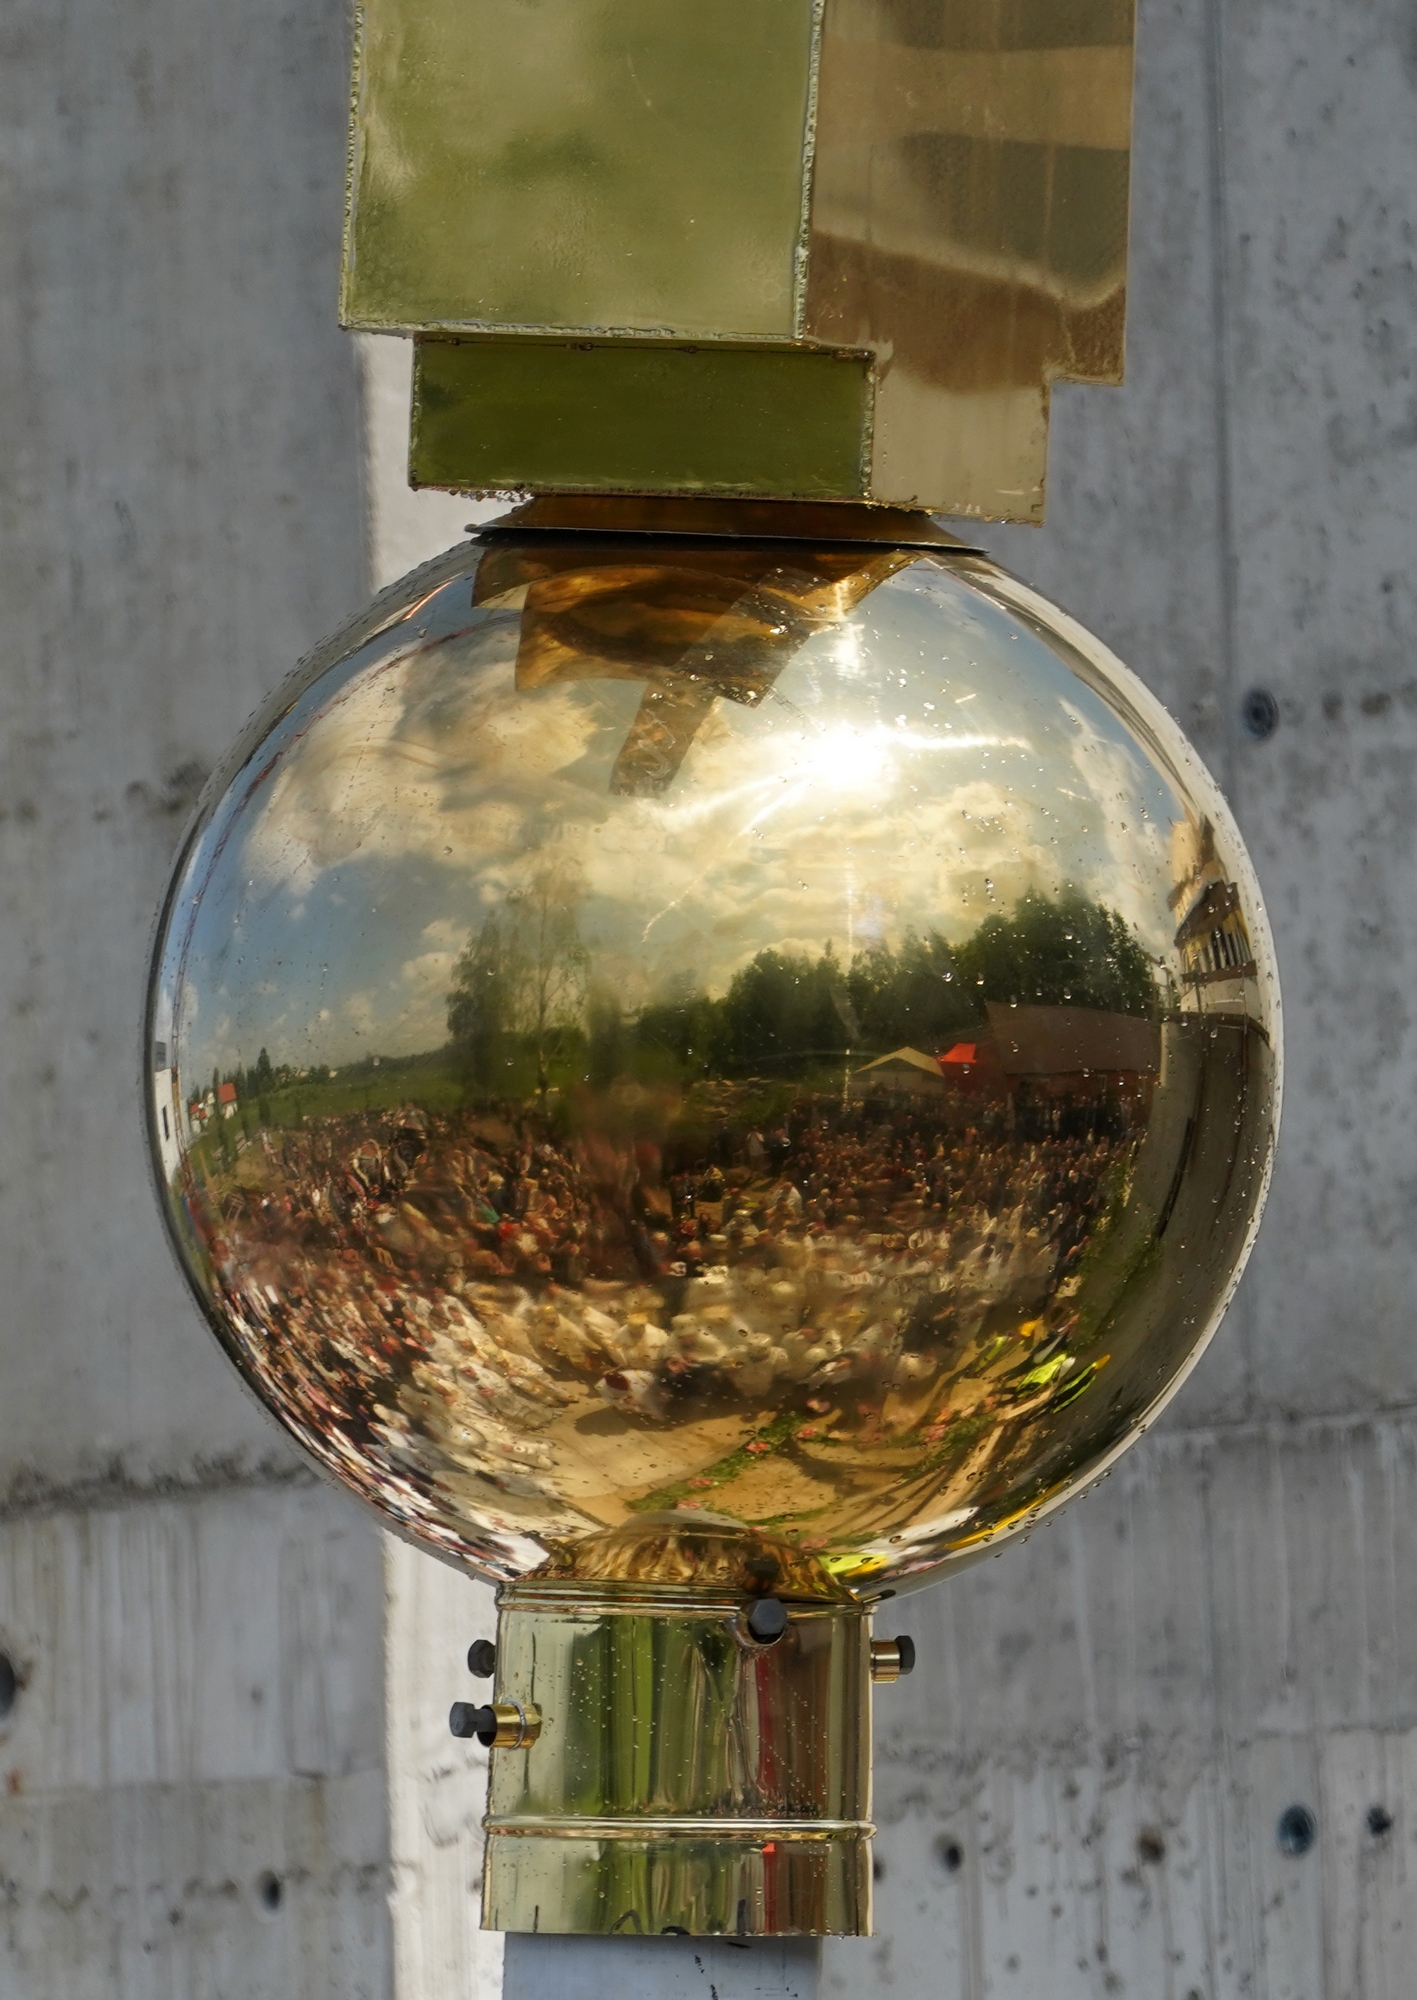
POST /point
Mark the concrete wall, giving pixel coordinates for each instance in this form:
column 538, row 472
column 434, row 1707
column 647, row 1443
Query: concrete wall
column 192, row 1779
column 193, row 1772
column 231, row 1683
column 182, row 516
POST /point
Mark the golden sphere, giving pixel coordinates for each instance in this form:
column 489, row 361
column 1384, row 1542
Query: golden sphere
column 774, row 1031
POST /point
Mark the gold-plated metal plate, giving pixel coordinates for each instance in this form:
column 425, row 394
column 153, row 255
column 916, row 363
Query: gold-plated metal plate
column 969, row 225
column 785, row 422
column 585, row 165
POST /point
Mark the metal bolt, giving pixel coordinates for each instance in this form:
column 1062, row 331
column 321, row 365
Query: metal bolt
column 891, row 1659
column 766, row 1619
column 482, row 1659
column 467, row 1720
column 497, row 1725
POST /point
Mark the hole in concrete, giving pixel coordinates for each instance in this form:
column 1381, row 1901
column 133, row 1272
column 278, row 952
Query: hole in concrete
column 1259, row 714
column 9, row 1685
column 1297, row 1830
column 1150, row 1845
column 269, row 1892
column 1379, row 1821
column 878, row 1869
column 949, row 1854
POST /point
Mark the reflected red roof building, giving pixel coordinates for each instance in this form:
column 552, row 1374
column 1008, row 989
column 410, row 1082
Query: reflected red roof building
column 1029, row 1055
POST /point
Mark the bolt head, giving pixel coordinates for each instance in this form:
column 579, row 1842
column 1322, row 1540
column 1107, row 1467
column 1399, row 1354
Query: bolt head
column 767, row 1619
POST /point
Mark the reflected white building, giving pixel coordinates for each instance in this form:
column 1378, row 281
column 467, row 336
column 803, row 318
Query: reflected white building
column 167, row 1110
column 1218, row 971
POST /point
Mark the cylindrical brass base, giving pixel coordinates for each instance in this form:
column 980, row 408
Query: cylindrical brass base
column 687, row 1777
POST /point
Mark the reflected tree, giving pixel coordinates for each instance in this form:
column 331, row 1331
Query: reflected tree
column 1063, row 951
column 545, row 917
column 483, row 1002
column 521, row 978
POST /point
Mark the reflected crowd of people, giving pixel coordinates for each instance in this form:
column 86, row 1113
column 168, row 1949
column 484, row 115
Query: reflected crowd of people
column 434, row 1292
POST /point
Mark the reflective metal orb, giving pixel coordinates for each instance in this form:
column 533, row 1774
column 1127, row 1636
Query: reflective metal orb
column 775, row 1029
